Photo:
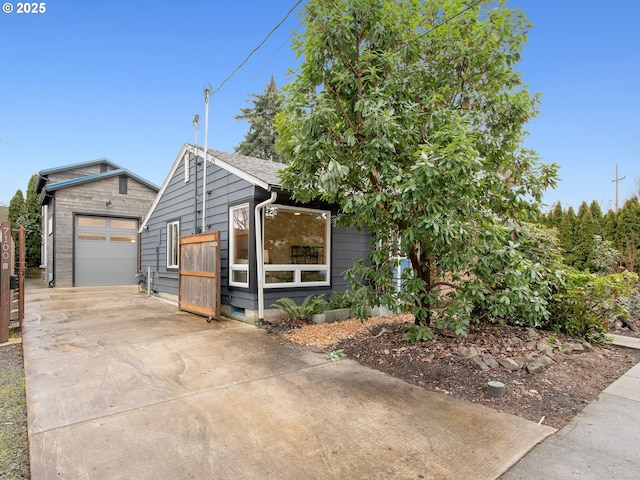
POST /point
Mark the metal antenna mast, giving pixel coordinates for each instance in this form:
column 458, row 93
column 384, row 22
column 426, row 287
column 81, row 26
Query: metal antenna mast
column 207, row 95
column 196, row 119
column 617, row 180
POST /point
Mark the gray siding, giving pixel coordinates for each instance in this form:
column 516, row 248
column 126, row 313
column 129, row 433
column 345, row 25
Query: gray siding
column 180, row 200
column 81, row 171
column 183, row 201
column 90, row 199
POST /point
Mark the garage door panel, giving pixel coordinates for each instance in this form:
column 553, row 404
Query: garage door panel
column 106, row 251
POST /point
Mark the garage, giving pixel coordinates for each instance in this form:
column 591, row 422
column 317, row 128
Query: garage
column 105, row 251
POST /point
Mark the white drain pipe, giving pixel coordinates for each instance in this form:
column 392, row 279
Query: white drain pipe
column 260, row 254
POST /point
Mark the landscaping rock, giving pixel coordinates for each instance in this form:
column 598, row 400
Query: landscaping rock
column 468, row 352
column 490, row 361
column 539, row 363
column 479, row 363
column 510, row 364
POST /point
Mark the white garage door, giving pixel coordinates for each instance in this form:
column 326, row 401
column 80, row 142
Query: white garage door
column 106, row 251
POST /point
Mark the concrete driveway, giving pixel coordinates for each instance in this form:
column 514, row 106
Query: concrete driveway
column 122, row 386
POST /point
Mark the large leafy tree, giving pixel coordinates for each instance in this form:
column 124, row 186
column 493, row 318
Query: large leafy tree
column 260, row 140
column 410, row 116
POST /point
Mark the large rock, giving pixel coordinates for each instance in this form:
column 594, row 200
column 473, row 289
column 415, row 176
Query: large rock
column 490, row 361
column 539, row 363
column 510, row 364
column 468, row 352
column 479, row 363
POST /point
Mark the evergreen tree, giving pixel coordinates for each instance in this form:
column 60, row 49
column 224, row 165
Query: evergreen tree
column 567, row 236
column 628, row 233
column 598, row 218
column 33, row 223
column 554, row 217
column 260, row 140
column 610, row 226
column 16, row 208
column 27, row 213
column 587, row 230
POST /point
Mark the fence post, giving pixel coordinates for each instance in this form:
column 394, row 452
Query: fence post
column 5, row 278
column 22, row 270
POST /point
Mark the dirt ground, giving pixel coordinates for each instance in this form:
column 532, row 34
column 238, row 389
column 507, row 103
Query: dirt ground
column 552, row 396
column 14, row 448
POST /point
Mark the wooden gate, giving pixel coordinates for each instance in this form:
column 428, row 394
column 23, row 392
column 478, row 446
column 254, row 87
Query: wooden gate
column 199, row 273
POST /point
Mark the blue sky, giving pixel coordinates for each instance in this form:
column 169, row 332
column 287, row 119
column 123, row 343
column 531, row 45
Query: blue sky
column 123, row 79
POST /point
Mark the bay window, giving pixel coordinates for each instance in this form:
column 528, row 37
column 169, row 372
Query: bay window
column 296, row 247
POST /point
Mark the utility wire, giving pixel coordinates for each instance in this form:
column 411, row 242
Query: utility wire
column 436, row 26
column 257, row 48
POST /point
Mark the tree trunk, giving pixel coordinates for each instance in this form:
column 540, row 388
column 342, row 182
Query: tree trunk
column 423, row 271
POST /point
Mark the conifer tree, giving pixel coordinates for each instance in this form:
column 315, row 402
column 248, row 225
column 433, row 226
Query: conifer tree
column 32, row 223
column 260, row 140
column 16, row 207
column 586, row 230
column 610, row 225
column 598, row 217
column 554, row 217
column 628, row 233
column 567, row 235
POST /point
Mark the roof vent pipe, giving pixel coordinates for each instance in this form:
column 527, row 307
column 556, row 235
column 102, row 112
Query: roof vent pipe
column 260, row 255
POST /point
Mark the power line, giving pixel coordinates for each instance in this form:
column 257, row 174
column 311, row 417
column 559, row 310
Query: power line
column 436, row 26
column 257, row 48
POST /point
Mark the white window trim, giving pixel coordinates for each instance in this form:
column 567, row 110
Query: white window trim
column 169, row 243
column 237, row 267
column 298, row 268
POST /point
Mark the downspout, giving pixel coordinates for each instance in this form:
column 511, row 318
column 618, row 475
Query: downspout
column 260, row 255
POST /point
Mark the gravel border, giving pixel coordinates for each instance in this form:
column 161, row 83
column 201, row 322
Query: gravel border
column 14, row 441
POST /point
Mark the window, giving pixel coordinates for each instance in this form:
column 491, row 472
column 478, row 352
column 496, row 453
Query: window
column 173, row 244
column 92, row 222
column 239, row 246
column 296, row 247
column 122, row 184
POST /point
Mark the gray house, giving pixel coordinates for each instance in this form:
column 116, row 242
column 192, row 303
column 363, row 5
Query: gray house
column 270, row 246
column 91, row 212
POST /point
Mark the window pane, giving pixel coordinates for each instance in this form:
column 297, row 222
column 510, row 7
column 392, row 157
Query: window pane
column 92, row 222
column 124, row 223
column 173, row 239
column 313, row 276
column 101, row 237
column 293, row 237
column 239, row 276
column 240, row 244
column 279, row 277
column 123, row 238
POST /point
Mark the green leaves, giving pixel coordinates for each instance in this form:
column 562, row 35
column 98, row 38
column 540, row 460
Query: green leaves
column 416, row 134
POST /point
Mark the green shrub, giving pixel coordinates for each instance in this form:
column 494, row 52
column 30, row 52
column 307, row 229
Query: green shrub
column 588, row 303
column 339, row 300
column 310, row 305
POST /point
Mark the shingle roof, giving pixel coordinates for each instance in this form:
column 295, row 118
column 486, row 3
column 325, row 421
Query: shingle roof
column 259, row 172
column 264, row 170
